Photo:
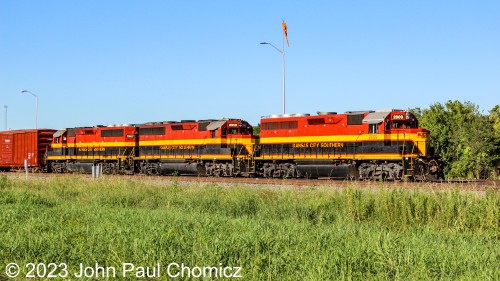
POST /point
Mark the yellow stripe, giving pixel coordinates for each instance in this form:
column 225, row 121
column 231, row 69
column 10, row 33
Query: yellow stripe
column 396, row 157
column 197, row 157
column 85, row 157
column 343, row 138
column 226, row 157
column 200, row 157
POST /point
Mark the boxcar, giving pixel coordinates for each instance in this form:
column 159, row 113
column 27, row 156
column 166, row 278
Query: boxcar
column 20, row 145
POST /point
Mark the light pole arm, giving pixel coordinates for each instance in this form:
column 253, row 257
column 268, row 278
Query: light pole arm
column 266, row 43
column 36, row 97
column 26, row 91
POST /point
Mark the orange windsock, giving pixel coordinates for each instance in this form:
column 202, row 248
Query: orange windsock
column 285, row 32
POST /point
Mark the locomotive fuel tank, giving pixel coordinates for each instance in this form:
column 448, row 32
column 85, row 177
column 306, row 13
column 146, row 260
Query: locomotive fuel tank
column 84, row 167
column 169, row 167
column 329, row 168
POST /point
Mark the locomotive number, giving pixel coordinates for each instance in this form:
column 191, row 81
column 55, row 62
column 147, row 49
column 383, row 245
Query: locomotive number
column 398, row 117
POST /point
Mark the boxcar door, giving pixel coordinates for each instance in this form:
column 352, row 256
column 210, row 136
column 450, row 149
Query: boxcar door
column 7, row 152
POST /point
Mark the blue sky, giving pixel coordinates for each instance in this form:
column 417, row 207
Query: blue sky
column 115, row 62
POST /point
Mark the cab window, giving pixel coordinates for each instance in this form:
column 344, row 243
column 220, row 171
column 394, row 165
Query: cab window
column 373, row 128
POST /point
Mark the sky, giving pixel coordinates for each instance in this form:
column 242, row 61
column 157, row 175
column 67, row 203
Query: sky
column 128, row 62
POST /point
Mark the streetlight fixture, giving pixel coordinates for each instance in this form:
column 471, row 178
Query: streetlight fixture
column 283, row 69
column 36, row 97
column 5, row 106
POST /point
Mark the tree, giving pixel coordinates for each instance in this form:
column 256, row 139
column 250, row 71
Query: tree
column 256, row 130
column 464, row 137
column 494, row 118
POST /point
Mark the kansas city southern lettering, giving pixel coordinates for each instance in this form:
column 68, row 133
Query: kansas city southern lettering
column 318, row 144
column 91, row 149
column 169, row 147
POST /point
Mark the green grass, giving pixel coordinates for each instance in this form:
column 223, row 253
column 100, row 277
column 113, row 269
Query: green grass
column 272, row 233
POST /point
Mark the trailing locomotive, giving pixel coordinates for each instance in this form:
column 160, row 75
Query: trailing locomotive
column 78, row 149
column 384, row 144
column 205, row 147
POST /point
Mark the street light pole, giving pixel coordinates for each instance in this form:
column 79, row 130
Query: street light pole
column 36, row 97
column 283, row 71
column 5, row 106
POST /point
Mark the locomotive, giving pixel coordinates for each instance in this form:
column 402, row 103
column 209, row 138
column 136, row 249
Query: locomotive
column 382, row 144
column 205, row 147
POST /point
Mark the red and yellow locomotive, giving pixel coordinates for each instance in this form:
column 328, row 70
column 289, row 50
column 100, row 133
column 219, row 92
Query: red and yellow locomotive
column 385, row 144
column 206, row 147
column 78, row 149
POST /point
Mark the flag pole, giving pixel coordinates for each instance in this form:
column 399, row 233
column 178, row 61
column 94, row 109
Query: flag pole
column 282, row 51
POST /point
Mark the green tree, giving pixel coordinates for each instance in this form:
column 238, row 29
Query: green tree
column 494, row 118
column 463, row 136
column 256, row 130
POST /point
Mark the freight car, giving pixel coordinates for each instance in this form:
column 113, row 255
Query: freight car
column 384, row 144
column 19, row 145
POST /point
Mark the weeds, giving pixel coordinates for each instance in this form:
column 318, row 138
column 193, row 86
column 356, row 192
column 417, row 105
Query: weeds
column 289, row 234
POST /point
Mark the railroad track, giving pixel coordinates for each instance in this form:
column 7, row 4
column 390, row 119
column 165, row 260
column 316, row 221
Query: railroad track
column 440, row 185
column 460, row 185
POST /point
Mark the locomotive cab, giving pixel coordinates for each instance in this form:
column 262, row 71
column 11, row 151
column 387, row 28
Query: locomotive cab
column 401, row 120
column 426, row 165
column 237, row 128
column 239, row 132
column 404, row 125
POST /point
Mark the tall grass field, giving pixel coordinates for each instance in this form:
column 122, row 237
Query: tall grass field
column 271, row 233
